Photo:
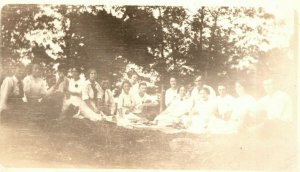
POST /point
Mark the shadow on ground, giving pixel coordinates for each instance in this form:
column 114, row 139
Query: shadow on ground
column 36, row 140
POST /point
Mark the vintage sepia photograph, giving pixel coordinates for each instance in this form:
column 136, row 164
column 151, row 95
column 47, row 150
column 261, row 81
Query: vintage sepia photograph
column 148, row 87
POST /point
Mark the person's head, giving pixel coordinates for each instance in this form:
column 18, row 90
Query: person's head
column 105, row 84
column 268, row 85
column 143, row 87
column 75, row 73
column 61, row 71
column 204, row 93
column 19, row 71
column 222, row 90
column 240, row 87
column 92, row 74
column 199, row 81
column 126, row 86
column 182, row 91
column 36, row 70
column 173, row 82
column 134, row 77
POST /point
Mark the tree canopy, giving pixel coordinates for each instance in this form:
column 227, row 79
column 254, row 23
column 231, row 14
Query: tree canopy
column 222, row 43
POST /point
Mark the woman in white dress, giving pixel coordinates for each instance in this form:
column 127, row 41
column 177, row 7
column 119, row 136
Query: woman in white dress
column 176, row 113
column 91, row 96
column 126, row 105
column 243, row 109
column 172, row 92
column 203, row 110
column 199, row 84
column 73, row 93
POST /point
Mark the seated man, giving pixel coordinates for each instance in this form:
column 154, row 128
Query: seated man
column 108, row 106
column 11, row 92
column 145, row 105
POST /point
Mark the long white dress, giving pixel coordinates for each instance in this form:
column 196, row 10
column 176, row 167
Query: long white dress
column 225, row 106
column 125, row 117
column 204, row 110
column 88, row 95
column 177, row 112
column 170, row 96
column 75, row 88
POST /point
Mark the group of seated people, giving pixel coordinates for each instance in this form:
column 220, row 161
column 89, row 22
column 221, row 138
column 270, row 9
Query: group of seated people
column 196, row 109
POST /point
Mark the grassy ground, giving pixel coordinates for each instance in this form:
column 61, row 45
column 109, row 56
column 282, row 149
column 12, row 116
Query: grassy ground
column 32, row 140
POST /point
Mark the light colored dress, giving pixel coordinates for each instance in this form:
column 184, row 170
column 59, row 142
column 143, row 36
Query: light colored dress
column 204, row 110
column 170, row 96
column 177, row 112
column 88, row 95
column 125, row 117
column 134, row 89
column 35, row 88
column 75, row 89
column 225, row 105
column 277, row 106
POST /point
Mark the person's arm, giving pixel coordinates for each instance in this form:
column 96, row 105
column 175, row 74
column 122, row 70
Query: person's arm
column 212, row 92
column 26, row 86
column 100, row 102
column 167, row 98
column 112, row 103
column 6, row 88
column 46, row 91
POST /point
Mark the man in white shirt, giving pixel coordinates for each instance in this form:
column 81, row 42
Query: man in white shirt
column 145, row 105
column 225, row 103
column 171, row 93
column 11, row 91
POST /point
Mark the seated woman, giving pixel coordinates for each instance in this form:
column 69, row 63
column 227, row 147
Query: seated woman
column 243, row 110
column 172, row 92
column 91, row 96
column 199, row 84
column 146, row 106
column 126, row 105
column 73, row 93
column 176, row 113
column 37, row 92
column 202, row 112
